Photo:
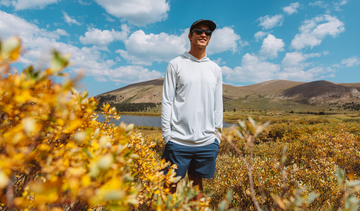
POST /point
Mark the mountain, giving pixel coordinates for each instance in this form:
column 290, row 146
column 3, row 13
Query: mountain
column 143, row 92
column 271, row 95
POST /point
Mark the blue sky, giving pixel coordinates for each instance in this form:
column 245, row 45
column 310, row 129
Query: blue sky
column 119, row 42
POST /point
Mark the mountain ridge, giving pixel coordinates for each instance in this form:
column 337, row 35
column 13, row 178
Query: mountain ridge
column 255, row 96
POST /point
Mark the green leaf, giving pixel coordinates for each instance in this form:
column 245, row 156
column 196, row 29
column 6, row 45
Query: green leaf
column 354, row 183
column 177, row 179
column 239, row 134
column 10, row 45
column 115, row 195
column 312, row 196
column 241, row 124
column 222, row 206
column 340, row 176
column 253, row 123
column 229, row 195
column 169, row 198
column 59, row 62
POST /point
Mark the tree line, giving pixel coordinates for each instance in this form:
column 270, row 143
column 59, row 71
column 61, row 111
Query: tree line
column 130, row 106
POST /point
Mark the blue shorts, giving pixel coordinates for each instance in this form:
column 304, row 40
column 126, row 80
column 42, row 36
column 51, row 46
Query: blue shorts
column 198, row 161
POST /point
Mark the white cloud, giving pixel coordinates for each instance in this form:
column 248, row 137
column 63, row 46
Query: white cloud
column 328, row 7
column 259, row 35
column 310, row 55
column 12, row 25
column 294, row 66
column 223, row 39
column 101, row 79
column 132, row 74
column 243, row 43
column 268, row 22
column 27, row 4
column 219, row 61
column 103, row 38
column 5, row 2
column 144, row 49
column 253, row 69
column 292, row 8
column 69, row 20
column 301, row 75
column 56, row 34
column 84, row 3
column 108, row 18
column 39, row 43
column 313, row 31
column 320, row 4
column 338, row 4
column 350, row 62
column 137, row 12
column 271, row 46
column 293, row 59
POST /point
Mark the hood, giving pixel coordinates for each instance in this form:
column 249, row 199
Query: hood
column 189, row 56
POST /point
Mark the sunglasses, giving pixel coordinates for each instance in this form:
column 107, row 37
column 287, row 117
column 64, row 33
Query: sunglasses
column 199, row 31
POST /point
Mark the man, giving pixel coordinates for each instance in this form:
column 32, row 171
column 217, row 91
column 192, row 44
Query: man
column 192, row 108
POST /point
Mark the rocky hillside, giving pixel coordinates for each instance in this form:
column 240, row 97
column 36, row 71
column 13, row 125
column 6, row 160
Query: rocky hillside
column 266, row 95
column 143, row 92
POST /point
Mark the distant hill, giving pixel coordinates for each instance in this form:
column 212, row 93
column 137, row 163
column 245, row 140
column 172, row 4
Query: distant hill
column 271, row 95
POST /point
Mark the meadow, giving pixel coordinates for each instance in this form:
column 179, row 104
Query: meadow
column 294, row 158
column 55, row 155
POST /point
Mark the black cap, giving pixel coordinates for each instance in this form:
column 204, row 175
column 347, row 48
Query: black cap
column 209, row 23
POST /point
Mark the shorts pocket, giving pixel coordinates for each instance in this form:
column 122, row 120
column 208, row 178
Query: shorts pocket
column 169, row 144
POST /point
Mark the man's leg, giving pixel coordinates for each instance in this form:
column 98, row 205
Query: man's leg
column 203, row 165
column 179, row 155
column 197, row 181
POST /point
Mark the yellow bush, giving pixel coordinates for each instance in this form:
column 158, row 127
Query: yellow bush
column 55, row 155
column 314, row 153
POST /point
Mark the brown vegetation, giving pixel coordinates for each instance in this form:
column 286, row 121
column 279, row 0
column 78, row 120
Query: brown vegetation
column 271, row 95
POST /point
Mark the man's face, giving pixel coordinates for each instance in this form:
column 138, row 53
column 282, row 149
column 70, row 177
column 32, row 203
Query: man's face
column 200, row 40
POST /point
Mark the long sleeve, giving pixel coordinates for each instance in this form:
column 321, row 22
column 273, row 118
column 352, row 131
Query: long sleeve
column 167, row 101
column 191, row 105
column 218, row 108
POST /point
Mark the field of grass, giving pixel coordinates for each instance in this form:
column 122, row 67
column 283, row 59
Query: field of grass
column 288, row 116
column 316, row 146
column 146, row 131
column 141, row 113
column 264, row 110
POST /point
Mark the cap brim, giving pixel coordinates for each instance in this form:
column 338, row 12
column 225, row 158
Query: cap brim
column 209, row 23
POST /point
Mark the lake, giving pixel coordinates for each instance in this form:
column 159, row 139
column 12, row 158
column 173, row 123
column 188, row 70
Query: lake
column 140, row 120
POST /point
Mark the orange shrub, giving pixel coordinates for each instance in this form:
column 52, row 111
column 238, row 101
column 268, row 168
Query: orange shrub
column 55, row 155
column 313, row 155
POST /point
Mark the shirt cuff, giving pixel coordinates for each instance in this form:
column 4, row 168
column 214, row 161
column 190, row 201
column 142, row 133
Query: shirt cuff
column 166, row 139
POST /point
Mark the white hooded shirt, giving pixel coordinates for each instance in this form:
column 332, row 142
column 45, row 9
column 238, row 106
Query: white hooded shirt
column 192, row 105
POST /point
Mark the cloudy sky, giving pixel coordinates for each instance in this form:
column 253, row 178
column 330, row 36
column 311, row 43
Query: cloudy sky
column 119, row 42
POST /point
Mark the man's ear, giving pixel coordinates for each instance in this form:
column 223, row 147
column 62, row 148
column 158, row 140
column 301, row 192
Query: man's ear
column 189, row 36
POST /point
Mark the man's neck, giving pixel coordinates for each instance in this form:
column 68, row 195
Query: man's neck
column 198, row 53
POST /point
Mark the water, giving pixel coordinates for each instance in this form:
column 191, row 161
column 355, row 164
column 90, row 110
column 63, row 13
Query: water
column 141, row 120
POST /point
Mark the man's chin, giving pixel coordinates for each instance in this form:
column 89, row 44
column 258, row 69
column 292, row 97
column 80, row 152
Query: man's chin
column 202, row 44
